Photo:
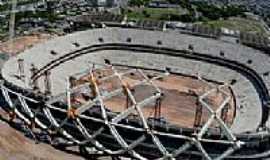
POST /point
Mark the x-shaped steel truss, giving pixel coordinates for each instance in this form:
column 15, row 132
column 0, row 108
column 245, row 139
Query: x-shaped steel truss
column 137, row 106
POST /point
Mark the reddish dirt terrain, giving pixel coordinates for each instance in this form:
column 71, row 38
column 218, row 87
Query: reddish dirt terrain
column 180, row 100
column 22, row 43
column 15, row 146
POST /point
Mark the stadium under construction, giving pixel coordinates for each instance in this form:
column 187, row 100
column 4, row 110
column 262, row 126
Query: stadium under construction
column 145, row 94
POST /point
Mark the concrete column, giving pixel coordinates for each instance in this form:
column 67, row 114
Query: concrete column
column 47, row 83
column 21, row 69
column 72, row 82
column 224, row 113
column 34, row 83
column 198, row 115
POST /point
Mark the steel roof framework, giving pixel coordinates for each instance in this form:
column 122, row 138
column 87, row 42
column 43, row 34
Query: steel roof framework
column 77, row 114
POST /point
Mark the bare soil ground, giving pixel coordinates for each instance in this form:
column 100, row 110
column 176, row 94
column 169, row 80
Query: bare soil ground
column 180, row 99
column 15, row 146
column 21, row 43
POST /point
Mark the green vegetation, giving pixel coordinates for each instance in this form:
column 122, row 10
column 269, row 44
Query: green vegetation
column 187, row 13
column 138, row 2
column 4, row 7
column 241, row 24
column 212, row 12
column 153, row 13
column 22, row 2
column 170, row 14
column 7, row 6
column 38, row 14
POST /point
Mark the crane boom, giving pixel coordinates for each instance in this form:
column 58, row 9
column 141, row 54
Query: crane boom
column 12, row 23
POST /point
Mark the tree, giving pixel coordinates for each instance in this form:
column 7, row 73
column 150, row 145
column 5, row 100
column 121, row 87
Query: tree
column 138, row 2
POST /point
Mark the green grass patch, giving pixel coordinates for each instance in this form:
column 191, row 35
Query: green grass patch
column 241, row 24
column 152, row 13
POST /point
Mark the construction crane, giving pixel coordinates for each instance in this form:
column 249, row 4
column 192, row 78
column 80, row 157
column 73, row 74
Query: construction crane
column 12, row 23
